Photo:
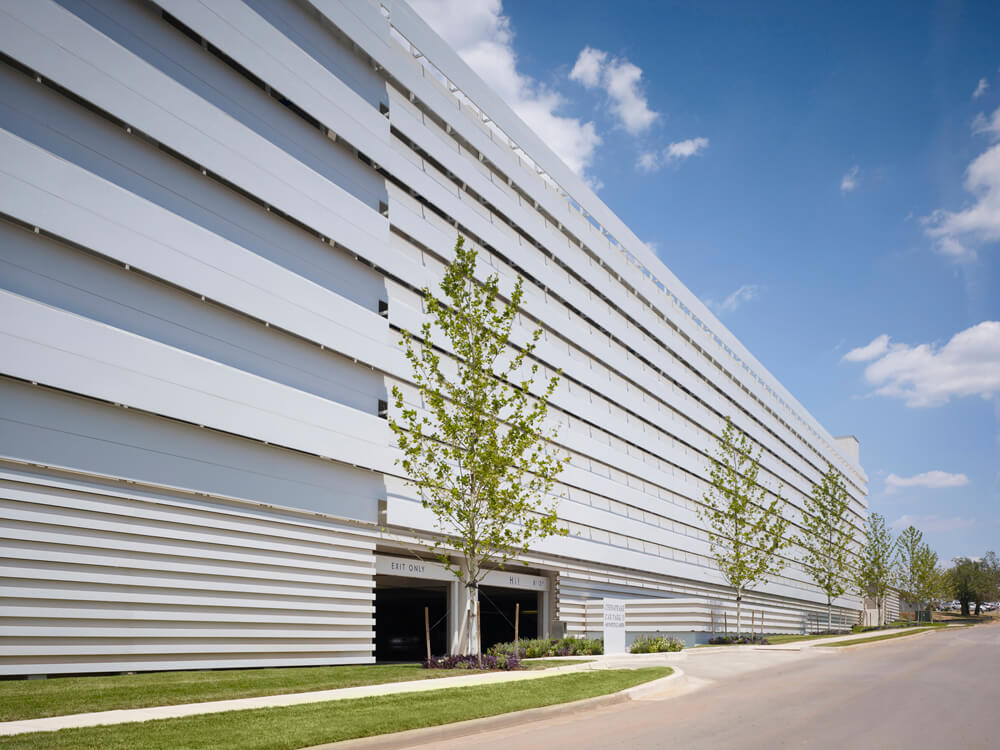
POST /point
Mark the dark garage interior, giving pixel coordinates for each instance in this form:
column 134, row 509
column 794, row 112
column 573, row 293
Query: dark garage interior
column 498, row 606
column 399, row 617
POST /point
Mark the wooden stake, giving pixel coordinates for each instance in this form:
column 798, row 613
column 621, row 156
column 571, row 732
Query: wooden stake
column 427, row 631
column 517, row 626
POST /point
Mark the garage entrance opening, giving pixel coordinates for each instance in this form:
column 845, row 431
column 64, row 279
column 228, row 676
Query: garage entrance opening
column 498, row 605
column 399, row 618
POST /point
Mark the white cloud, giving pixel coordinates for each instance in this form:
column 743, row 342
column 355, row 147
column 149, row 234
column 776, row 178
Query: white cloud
column 686, row 149
column 652, row 161
column 483, row 37
column 746, row 293
column 627, row 100
column 983, row 125
column 648, row 161
column 621, row 80
column 878, row 346
column 980, row 88
column 589, row 67
column 930, row 479
column 933, row 524
column 851, row 179
column 957, row 233
column 929, row 375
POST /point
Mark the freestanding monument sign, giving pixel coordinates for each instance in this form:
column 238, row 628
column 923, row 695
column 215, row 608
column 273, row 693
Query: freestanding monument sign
column 614, row 626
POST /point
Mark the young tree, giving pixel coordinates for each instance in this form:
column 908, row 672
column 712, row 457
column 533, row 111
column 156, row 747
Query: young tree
column 873, row 574
column 746, row 532
column 916, row 567
column 827, row 538
column 928, row 576
column 479, row 451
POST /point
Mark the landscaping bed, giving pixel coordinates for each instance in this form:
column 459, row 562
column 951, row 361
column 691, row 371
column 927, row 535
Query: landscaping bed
column 738, row 640
column 655, row 645
column 534, row 648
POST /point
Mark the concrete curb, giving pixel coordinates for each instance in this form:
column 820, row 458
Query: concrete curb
column 428, row 735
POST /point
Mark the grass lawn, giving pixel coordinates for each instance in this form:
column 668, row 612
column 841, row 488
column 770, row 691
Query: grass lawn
column 314, row 723
column 30, row 699
column 883, row 637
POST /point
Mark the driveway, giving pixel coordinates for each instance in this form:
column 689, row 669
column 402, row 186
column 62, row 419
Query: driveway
column 937, row 689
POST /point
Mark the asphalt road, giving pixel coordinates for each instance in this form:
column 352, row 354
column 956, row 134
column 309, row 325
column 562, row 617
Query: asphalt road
column 924, row 691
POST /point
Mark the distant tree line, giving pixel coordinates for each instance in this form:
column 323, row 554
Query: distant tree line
column 973, row 582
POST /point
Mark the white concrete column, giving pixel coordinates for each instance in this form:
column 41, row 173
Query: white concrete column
column 544, row 613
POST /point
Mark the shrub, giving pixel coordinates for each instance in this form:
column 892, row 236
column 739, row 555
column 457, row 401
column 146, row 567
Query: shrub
column 743, row 640
column 539, row 647
column 505, row 662
column 655, row 644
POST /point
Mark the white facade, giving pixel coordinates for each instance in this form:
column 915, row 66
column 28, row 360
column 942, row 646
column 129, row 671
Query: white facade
column 214, row 217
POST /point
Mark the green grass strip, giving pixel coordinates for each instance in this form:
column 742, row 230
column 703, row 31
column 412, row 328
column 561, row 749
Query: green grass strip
column 293, row 727
column 58, row 696
column 776, row 640
column 883, row 637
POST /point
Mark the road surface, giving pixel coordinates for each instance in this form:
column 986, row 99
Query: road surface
column 941, row 689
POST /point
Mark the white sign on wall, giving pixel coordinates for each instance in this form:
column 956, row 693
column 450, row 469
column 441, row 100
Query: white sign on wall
column 614, row 626
column 413, row 568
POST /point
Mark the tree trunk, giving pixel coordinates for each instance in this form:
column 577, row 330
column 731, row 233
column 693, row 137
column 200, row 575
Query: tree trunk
column 739, row 612
column 978, row 608
column 474, row 645
column 965, row 607
column 829, row 616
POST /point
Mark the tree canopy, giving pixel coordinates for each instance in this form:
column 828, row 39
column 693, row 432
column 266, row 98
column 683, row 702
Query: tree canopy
column 746, row 531
column 478, row 447
column 917, row 576
column 827, row 537
column 873, row 574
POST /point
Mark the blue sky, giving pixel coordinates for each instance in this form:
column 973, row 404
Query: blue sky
column 827, row 177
